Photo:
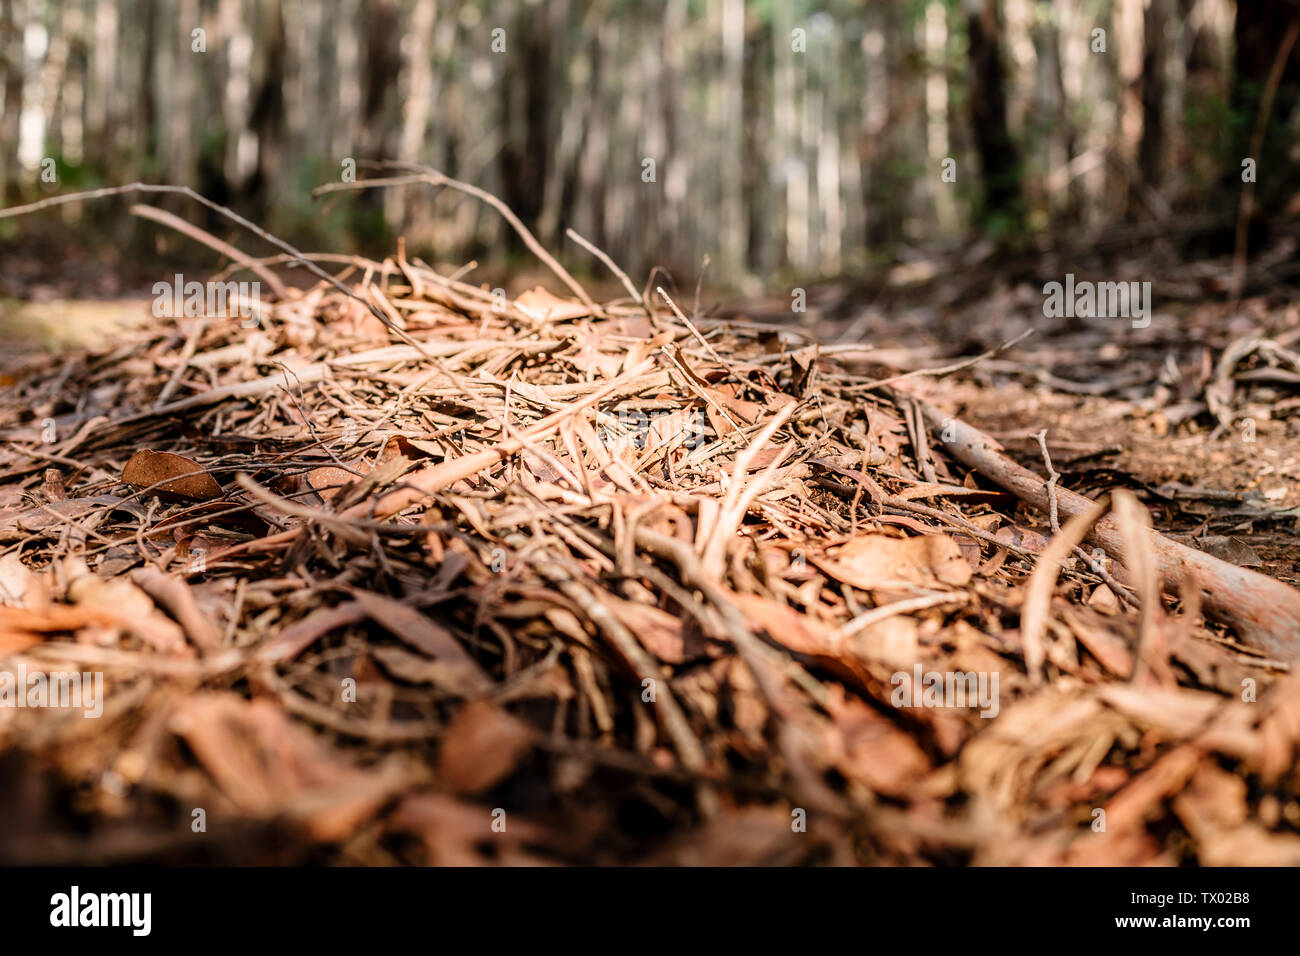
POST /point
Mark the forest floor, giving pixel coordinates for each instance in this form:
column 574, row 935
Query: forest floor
column 406, row 573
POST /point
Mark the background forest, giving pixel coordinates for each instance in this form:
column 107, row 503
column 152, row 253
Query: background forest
column 779, row 139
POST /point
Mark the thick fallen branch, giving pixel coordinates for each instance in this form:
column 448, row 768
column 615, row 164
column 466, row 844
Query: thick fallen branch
column 1263, row 611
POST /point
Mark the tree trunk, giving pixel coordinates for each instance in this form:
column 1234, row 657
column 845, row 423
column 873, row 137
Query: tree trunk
column 1002, row 206
column 11, row 43
column 1155, row 58
column 525, row 116
column 1259, row 29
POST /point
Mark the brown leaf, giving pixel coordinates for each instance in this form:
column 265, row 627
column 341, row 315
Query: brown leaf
column 301, row 634
column 127, row 606
column 173, row 593
column 1104, row 644
column 166, row 474
column 12, row 642
column 452, row 831
column 1022, row 537
column 1233, row 550
column 659, row 632
column 545, row 307
column 1139, row 799
column 329, row 480
column 19, row 586
column 415, row 668
column 872, row 750
column 424, row 635
column 16, row 522
column 267, row 765
column 56, row 618
column 753, row 836
column 747, row 412
column 873, row 561
column 482, row 746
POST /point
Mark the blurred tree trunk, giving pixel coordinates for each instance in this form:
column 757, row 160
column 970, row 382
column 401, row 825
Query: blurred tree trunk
column 935, row 31
column 181, row 133
column 266, row 119
column 1155, row 59
column 1002, row 204
column 593, row 163
column 830, row 217
column 886, row 46
column 383, row 33
column 11, row 48
column 102, row 107
column 379, row 123
column 733, row 141
column 146, row 139
column 668, row 46
column 758, row 133
column 783, row 158
column 1053, row 120
column 571, row 176
column 419, row 81
column 525, row 150
column 1260, row 28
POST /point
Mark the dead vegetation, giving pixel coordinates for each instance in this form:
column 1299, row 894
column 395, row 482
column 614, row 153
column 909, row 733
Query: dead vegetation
column 405, row 571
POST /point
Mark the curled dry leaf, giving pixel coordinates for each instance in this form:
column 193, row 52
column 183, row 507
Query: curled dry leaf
column 757, row 836
column 17, row 523
column 304, row 632
column 873, row 561
column 15, row 579
column 416, row 669
column 545, row 307
column 165, row 474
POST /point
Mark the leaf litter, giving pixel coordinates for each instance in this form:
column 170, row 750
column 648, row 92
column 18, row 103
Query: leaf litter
column 408, row 572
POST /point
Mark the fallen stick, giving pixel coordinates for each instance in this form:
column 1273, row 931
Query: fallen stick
column 1264, row 612
column 212, row 242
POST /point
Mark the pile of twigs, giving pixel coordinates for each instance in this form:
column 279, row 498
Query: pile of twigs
column 407, row 571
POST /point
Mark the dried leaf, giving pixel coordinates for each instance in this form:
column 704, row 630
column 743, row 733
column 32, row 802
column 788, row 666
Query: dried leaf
column 545, row 307
column 874, row 561
column 482, row 746
column 424, row 635
column 165, row 474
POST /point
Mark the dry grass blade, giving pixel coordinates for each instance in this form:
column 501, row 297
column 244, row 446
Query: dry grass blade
column 1042, row 584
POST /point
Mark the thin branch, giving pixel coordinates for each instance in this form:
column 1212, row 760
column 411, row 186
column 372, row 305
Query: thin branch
column 424, row 174
column 609, row 263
